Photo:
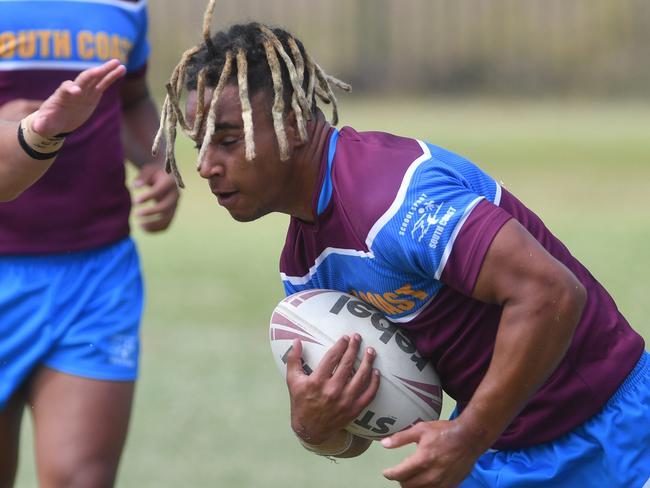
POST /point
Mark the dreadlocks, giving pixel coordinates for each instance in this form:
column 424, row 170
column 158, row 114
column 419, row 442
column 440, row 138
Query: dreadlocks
column 256, row 57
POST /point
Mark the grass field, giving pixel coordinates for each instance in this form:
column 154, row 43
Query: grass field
column 211, row 409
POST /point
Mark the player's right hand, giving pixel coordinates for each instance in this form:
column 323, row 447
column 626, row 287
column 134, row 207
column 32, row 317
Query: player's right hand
column 445, row 454
column 328, row 399
column 74, row 101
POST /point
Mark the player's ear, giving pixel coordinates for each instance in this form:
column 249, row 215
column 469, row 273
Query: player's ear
column 190, row 107
column 291, row 126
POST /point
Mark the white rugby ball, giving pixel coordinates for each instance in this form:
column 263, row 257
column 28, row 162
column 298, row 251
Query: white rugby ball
column 409, row 388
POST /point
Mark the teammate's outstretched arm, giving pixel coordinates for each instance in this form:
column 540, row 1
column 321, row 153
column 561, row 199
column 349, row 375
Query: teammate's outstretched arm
column 28, row 147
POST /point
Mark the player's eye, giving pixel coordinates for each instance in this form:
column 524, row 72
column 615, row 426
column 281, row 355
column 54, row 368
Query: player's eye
column 227, row 141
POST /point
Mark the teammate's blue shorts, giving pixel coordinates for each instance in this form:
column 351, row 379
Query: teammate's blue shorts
column 78, row 313
column 610, row 450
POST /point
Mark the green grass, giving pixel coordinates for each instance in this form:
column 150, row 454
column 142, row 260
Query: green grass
column 211, row 408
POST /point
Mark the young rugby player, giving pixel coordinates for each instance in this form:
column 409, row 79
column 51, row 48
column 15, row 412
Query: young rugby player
column 71, row 292
column 552, row 384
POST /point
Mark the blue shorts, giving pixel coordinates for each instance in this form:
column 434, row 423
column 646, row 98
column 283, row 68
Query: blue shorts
column 78, row 313
column 610, row 450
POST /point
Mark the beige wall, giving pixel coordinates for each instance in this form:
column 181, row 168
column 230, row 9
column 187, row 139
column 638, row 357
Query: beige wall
column 584, row 47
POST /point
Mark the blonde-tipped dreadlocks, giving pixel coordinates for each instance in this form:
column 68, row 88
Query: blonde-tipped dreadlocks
column 256, row 57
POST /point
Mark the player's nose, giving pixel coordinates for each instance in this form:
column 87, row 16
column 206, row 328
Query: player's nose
column 208, row 167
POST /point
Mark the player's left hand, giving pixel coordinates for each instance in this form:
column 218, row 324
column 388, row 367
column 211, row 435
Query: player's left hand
column 162, row 192
column 444, row 456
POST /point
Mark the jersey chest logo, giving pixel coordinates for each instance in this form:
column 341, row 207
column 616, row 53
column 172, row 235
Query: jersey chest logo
column 394, row 302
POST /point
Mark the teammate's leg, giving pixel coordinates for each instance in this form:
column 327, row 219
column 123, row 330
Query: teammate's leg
column 80, row 427
column 10, row 420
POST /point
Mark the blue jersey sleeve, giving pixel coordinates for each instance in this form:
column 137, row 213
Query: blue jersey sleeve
column 440, row 195
column 65, row 35
column 140, row 51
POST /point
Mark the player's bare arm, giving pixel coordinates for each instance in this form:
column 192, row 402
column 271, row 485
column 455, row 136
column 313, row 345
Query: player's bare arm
column 542, row 302
column 326, row 401
column 159, row 198
column 24, row 162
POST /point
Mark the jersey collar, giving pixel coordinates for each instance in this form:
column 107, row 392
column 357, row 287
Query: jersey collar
column 326, row 187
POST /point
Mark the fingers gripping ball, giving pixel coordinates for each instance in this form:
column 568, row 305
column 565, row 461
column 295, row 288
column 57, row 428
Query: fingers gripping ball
column 409, row 390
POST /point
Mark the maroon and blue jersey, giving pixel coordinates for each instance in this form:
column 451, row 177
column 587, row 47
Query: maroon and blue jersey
column 82, row 201
column 405, row 226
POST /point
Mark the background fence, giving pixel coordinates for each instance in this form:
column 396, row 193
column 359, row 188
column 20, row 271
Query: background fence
column 521, row 47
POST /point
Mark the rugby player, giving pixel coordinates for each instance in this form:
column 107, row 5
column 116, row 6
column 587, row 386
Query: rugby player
column 552, row 383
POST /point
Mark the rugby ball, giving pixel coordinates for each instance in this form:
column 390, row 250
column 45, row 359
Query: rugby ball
column 409, row 388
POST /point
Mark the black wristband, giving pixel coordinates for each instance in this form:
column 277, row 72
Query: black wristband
column 31, row 152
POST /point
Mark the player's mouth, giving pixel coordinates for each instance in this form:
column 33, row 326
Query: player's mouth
column 225, row 198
